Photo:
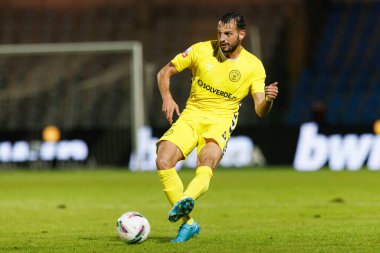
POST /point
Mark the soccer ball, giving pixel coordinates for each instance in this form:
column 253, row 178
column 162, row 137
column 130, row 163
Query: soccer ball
column 132, row 227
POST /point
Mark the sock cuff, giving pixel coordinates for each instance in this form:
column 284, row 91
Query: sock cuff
column 204, row 170
column 166, row 172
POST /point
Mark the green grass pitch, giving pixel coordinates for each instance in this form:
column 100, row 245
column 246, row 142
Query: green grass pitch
column 245, row 210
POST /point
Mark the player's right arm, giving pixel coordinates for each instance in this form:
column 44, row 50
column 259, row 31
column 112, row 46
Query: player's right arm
column 169, row 106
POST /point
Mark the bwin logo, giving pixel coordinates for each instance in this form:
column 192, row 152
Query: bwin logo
column 350, row 151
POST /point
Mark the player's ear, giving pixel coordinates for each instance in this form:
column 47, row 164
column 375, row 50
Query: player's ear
column 242, row 34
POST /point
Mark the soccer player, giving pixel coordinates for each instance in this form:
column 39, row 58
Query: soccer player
column 223, row 74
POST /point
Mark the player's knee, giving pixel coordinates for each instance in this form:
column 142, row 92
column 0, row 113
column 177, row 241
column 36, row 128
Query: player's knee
column 163, row 163
column 208, row 161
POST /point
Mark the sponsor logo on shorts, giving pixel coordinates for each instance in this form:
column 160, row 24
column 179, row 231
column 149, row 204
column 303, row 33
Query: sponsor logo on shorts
column 235, row 75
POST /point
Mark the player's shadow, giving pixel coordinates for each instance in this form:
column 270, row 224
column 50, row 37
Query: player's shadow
column 160, row 239
column 156, row 239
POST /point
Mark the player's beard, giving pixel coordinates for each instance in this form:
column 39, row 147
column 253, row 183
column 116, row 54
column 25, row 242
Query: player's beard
column 232, row 47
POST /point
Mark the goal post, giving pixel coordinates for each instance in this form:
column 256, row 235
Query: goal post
column 136, row 72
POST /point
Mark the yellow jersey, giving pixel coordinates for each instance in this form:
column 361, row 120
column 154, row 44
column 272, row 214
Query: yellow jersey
column 219, row 84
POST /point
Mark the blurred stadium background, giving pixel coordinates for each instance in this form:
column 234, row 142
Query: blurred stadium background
column 325, row 55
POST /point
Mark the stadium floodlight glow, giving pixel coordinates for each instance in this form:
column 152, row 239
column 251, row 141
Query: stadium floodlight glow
column 132, row 47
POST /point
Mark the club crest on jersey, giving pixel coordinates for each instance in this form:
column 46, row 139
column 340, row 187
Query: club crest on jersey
column 186, row 53
column 235, row 75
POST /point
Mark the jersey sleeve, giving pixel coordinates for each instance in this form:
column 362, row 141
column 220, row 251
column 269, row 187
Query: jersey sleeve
column 186, row 59
column 258, row 78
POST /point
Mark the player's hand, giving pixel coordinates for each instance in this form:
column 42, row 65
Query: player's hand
column 169, row 106
column 271, row 91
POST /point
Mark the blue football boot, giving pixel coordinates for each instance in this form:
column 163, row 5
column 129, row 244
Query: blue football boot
column 180, row 209
column 186, row 231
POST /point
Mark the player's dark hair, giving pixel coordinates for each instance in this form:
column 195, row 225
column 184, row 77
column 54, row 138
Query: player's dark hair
column 239, row 19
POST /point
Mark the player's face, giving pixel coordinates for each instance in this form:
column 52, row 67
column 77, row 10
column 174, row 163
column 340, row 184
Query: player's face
column 229, row 36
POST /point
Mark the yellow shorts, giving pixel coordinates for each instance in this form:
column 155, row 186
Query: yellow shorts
column 193, row 130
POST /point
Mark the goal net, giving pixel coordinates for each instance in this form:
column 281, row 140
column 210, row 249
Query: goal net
column 73, row 86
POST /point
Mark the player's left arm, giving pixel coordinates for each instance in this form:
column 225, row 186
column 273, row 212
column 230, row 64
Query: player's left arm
column 264, row 101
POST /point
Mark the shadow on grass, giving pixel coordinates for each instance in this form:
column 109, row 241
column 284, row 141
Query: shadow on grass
column 160, row 239
column 156, row 239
